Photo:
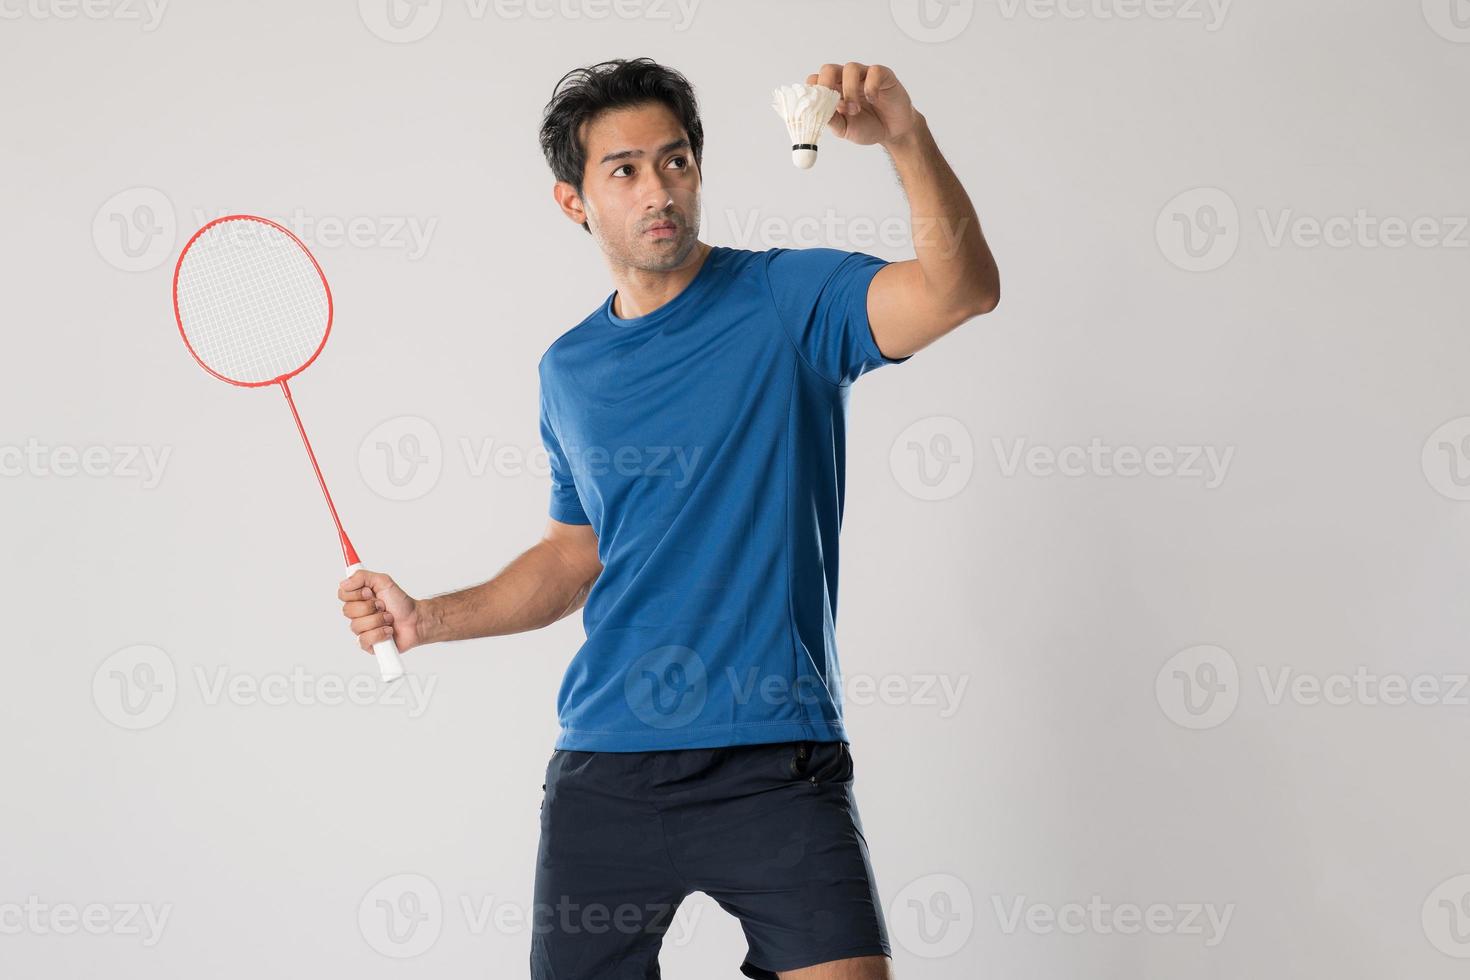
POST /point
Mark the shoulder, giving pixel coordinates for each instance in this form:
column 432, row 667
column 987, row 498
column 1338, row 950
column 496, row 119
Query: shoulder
column 787, row 269
column 567, row 338
column 795, row 268
column 808, row 259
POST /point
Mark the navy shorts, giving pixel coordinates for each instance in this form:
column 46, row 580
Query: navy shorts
column 770, row 832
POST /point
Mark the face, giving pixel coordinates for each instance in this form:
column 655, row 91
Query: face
column 640, row 188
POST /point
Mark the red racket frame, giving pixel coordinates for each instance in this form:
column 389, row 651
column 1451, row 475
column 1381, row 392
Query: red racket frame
column 348, row 552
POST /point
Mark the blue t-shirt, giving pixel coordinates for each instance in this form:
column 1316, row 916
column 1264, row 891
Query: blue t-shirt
column 704, row 442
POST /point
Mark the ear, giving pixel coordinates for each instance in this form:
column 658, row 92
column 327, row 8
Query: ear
column 569, row 201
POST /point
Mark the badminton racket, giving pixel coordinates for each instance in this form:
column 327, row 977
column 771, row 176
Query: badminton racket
column 254, row 308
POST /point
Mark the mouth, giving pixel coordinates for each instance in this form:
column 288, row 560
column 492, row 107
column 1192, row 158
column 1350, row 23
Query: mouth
column 662, row 229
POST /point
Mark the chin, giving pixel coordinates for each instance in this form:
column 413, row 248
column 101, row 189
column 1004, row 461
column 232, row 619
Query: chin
column 661, row 256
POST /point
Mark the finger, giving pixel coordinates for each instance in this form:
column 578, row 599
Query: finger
column 363, row 594
column 877, row 79
column 368, row 639
column 360, row 608
column 350, row 586
column 366, row 624
column 852, row 87
column 381, row 585
column 830, row 76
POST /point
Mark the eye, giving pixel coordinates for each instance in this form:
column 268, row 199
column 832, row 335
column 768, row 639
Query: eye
column 626, row 166
column 683, row 163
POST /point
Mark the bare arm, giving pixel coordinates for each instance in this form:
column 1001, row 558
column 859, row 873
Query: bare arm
column 548, row 581
column 953, row 275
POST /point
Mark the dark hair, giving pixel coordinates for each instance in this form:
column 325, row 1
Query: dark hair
column 584, row 92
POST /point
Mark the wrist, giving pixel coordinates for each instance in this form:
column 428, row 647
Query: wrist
column 912, row 139
column 428, row 621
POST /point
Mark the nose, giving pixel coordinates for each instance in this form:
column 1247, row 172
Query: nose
column 657, row 196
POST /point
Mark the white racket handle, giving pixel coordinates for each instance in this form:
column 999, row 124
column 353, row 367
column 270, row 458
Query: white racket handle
column 390, row 664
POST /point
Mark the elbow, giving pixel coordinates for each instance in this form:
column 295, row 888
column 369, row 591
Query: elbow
column 980, row 301
column 983, row 294
column 987, row 301
column 989, row 297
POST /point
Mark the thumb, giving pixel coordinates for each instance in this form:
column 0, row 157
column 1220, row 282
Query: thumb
column 381, row 584
column 378, row 583
column 838, row 122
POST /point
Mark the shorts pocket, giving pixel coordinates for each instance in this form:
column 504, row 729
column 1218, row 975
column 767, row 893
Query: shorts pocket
column 546, row 777
column 821, row 763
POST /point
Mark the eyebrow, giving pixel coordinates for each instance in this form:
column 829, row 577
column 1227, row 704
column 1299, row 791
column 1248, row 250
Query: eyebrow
column 679, row 144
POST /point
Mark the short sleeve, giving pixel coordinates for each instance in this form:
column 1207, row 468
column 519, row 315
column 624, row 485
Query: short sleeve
column 565, row 505
column 821, row 297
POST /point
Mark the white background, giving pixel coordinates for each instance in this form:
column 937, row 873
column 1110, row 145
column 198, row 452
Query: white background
column 1076, row 611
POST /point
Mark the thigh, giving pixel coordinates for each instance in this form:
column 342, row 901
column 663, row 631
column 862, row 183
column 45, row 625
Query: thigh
column 858, row 968
column 783, row 850
column 605, row 892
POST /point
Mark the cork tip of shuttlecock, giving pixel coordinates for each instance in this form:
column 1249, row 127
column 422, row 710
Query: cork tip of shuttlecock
column 804, row 157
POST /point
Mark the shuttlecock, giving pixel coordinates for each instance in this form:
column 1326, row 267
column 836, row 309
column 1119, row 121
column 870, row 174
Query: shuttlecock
column 806, row 109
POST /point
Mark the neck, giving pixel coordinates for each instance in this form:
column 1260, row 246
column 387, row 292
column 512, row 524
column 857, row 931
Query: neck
column 641, row 291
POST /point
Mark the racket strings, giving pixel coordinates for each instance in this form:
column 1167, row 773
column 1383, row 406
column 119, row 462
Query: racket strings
column 251, row 303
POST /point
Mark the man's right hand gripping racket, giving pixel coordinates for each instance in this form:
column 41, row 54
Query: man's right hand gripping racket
column 254, row 309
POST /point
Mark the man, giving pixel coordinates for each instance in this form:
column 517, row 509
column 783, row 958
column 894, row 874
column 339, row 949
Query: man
column 695, row 425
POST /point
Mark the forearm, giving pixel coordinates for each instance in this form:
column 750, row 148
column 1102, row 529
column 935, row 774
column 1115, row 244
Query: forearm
column 950, row 247
column 535, row 590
